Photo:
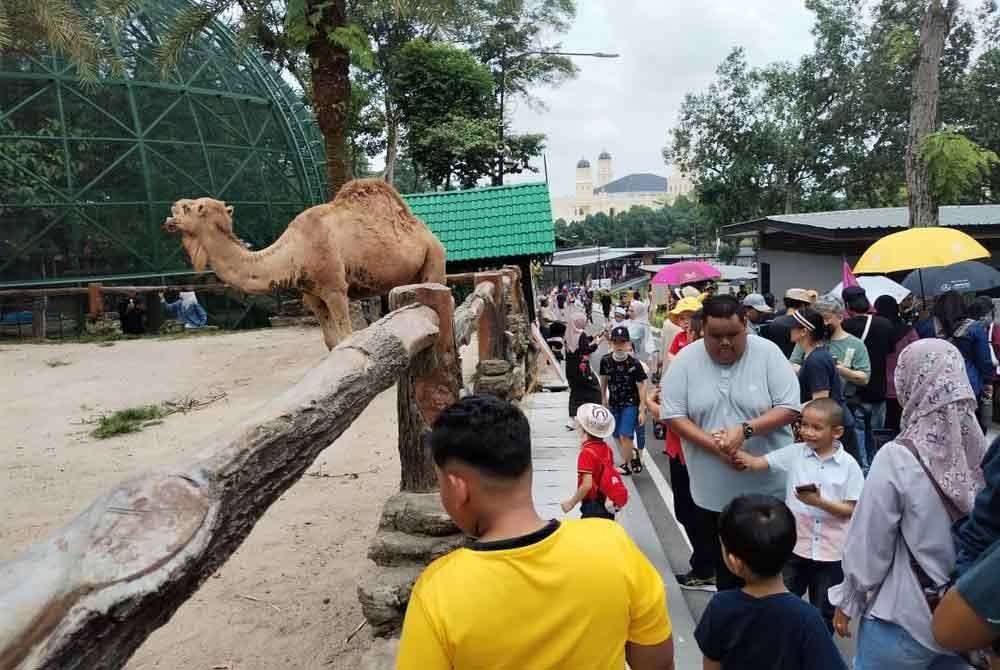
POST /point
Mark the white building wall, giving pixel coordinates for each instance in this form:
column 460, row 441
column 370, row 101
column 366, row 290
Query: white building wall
column 795, row 269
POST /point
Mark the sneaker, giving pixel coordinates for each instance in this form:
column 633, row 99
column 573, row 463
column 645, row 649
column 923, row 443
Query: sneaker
column 692, row 582
column 571, row 424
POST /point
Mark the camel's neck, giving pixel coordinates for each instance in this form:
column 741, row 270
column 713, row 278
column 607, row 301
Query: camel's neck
column 251, row 271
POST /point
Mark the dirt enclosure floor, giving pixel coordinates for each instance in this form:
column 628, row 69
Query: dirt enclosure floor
column 287, row 598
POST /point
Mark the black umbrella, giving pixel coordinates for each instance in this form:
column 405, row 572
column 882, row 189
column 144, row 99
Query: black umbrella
column 964, row 277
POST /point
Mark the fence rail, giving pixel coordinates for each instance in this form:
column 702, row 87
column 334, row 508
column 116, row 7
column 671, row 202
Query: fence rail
column 91, row 593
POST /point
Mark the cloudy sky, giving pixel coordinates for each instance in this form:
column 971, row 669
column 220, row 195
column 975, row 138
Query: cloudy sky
column 668, row 48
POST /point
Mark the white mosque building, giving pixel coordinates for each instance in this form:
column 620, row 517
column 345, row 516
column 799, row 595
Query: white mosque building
column 611, row 196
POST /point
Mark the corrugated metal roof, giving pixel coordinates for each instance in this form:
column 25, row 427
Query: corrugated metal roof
column 494, row 222
column 889, row 217
column 589, row 259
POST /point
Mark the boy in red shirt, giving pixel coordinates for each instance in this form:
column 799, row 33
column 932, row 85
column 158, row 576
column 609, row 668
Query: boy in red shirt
column 595, row 423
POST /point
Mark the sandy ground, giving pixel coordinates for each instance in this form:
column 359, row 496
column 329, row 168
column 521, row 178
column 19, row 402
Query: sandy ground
column 287, row 598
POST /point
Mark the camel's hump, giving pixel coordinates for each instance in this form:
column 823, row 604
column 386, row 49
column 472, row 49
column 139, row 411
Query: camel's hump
column 374, row 196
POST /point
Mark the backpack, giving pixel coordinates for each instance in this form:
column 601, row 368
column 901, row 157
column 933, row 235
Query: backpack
column 609, row 484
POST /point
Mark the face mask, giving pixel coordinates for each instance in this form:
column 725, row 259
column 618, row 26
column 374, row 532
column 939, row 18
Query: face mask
column 619, row 355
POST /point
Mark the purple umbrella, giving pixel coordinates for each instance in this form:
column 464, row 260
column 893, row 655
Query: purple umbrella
column 686, row 272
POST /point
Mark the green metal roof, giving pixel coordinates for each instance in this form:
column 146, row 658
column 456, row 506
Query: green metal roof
column 495, row 222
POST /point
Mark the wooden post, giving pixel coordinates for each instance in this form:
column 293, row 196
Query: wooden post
column 154, row 312
column 95, row 305
column 430, row 386
column 39, row 323
column 490, row 327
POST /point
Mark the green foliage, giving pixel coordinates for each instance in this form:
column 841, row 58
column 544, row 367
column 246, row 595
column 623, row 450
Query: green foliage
column 353, row 38
column 130, row 420
column 956, row 166
column 685, row 222
column 65, row 30
column 445, row 100
column 830, row 131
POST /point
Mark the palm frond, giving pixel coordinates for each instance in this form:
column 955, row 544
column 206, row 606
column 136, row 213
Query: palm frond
column 5, row 36
column 69, row 33
column 185, row 27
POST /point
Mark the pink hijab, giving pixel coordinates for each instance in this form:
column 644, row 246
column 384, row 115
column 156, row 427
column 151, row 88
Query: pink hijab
column 939, row 418
column 577, row 325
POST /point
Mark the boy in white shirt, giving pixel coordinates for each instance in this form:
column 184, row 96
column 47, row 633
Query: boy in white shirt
column 823, row 485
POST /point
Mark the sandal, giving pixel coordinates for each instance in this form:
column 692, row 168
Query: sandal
column 624, row 469
column 636, row 465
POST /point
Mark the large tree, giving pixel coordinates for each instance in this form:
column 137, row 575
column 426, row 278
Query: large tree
column 924, row 100
column 832, row 130
column 510, row 37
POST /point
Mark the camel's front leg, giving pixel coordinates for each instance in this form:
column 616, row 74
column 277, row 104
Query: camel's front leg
column 319, row 308
column 340, row 316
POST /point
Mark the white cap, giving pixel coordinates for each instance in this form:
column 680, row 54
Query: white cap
column 595, row 419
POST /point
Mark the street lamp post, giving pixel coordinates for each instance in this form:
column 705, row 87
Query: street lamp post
column 498, row 180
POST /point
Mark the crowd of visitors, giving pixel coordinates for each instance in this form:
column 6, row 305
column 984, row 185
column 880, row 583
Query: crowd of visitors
column 834, row 451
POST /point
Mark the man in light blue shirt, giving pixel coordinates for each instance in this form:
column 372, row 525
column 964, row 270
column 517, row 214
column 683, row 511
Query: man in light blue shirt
column 724, row 393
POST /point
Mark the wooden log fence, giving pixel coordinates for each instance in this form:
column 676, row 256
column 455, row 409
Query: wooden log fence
column 90, row 594
column 87, row 596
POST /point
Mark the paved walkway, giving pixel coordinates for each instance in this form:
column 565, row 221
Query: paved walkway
column 554, row 451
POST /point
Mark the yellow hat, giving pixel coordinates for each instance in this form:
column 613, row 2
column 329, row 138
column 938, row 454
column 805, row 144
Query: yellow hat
column 686, row 305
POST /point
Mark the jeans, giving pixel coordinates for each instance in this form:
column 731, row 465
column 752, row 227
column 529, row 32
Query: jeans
column 885, row 646
column 867, row 416
column 816, row 577
column 707, row 523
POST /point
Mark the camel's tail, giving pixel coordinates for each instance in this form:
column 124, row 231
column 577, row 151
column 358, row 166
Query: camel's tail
column 374, row 196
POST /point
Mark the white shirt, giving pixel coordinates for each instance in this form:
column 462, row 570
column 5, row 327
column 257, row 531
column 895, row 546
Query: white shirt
column 821, row 535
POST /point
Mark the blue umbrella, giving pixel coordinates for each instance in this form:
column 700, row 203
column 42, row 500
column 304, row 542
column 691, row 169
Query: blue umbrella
column 964, row 277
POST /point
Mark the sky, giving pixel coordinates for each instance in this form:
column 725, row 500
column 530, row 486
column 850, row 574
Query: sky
column 667, row 48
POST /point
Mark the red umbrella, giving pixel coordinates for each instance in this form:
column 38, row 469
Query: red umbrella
column 686, row 272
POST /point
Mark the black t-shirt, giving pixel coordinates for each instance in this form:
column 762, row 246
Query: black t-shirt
column 819, row 373
column 879, row 344
column 779, row 632
column 624, row 378
column 779, row 330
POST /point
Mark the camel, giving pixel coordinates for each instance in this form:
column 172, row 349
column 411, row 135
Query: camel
column 362, row 244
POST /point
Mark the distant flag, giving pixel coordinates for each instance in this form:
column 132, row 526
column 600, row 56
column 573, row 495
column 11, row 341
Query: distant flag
column 849, row 278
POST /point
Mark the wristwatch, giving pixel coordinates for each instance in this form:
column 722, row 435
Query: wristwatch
column 747, row 431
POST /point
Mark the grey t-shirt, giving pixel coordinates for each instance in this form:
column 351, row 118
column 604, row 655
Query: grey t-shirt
column 719, row 396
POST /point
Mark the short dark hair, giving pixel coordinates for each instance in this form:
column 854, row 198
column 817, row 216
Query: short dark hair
column 491, row 435
column 792, row 303
column 721, row 307
column 769, row 299
column 760, row 531
column 820, row 331
column 830, row 407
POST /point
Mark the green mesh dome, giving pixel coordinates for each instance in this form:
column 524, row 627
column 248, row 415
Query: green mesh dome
column 87, row 174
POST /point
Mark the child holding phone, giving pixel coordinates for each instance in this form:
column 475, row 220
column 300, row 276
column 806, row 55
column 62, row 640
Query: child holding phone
column 824, row 484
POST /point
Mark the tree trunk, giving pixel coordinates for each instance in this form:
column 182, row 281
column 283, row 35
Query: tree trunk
column 392, row 142
column 924, row 108
column 331, row 85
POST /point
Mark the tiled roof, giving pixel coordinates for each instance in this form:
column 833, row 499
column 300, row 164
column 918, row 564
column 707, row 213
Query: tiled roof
column 495, row 222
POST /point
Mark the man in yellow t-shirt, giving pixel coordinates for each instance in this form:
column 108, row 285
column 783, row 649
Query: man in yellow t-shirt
column 528, row 593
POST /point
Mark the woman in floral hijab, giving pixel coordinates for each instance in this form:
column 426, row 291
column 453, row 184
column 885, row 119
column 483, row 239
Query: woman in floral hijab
column 899, row 544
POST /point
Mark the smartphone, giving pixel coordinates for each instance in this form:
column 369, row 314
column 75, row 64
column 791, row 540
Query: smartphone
column 807, row 488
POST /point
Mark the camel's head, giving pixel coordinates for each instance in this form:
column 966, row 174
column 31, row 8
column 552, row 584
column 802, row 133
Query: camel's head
column 195, row 220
